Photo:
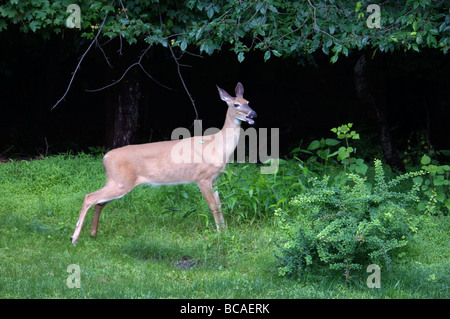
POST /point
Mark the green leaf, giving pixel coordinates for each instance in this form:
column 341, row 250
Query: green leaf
column 7, row 12
column 96, row 5
column 183, row 45
column 198, row 34
column 329, row 43
column 34, row 25
column 419, row 39
column 332, row 142
column 314, row 145
column 431, row 41
column 333, row 154
column 108, row 9
column 425, row 160
column 343, row 153
column 345, row 51
column 440, row 197
column 444, row 152
column 273, row 8
column 418, row 180
column 362, row 169
column 332, row 28
column 241, row 57
column 210, row 11
column 334, row 58
column 267, row 55
column 3, row 25
column 276, row 53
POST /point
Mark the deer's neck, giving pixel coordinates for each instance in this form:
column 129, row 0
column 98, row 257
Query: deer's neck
column 230, row 131
column 231, row 122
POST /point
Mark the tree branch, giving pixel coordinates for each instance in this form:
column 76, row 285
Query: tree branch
column 178, row 67
column 138, row 63
column 81, row 60
column 182, row 80
column 124, row 9
column 316, row 27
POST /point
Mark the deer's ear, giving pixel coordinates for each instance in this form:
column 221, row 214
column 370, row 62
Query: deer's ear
column 223, row 94
column 239, row 90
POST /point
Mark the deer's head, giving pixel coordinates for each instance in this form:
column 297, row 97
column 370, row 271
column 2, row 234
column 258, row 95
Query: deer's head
column 238, row 106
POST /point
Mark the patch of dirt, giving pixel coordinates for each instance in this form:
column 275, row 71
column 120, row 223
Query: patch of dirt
column 186, row 263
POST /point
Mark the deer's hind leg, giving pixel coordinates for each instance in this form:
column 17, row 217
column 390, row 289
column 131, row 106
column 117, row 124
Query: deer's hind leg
column 97, row 210
column 98, row 198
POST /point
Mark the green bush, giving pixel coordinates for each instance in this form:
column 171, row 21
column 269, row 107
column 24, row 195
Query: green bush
column 347, row 227
column 435, row 186
column 246, row 193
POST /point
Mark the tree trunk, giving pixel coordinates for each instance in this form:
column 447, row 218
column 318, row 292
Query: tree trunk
column 123, row 124
column 123, row 102
column 363, row 92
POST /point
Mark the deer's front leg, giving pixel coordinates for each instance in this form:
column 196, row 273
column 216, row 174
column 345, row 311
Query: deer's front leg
column 219, row 207
column 213, row 201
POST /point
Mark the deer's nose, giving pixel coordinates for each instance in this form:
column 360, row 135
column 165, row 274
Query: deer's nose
column 252, row 115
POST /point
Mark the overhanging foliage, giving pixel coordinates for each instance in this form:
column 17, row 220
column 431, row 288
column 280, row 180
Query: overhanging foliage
column 279, row 28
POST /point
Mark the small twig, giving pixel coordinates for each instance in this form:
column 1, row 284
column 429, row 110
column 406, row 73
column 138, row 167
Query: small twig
column 7, row 150
column 107, row 41
column 193, row 54
column 120, row 48
column 314, row 11
column 324, row 32
column 46, row 147
column 124, row 9
column 115, row 82
column 182, row 80
column 104, row 55
column 43, row 154
column 81, row 60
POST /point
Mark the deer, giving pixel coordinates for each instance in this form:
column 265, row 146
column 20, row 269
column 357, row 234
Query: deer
column 197, row 159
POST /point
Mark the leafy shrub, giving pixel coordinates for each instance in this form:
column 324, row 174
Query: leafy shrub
column 435, row 186
column 322, row 152
column 249, row 194
column 347, row 227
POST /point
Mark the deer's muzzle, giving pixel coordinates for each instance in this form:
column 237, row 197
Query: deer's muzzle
column 250, row 116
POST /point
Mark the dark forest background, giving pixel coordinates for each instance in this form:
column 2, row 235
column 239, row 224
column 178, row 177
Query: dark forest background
column 303, row 97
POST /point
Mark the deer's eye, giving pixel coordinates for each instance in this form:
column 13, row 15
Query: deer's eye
column 237, row 104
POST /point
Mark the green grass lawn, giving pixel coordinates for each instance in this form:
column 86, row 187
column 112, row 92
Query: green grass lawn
column 161, row 243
